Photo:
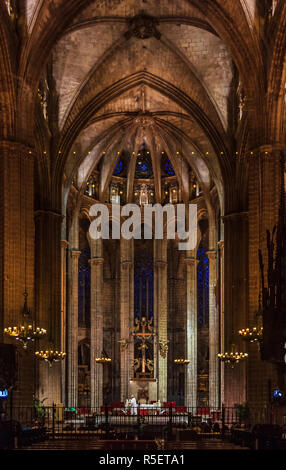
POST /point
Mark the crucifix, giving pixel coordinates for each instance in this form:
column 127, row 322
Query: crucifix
column 144, row 330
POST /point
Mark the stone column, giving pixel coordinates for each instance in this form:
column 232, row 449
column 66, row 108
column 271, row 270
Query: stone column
column 161, row 312
column 191, row 375
column 96, row 322
column 213, row 334
column 126, row 317
column 72, row 332
column 17, row 238
column 221, row 319
column 64, row 245
column 235, row 301
column 48, row 298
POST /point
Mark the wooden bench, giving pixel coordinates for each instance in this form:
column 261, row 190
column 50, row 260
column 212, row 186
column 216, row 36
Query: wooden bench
column 128, row 445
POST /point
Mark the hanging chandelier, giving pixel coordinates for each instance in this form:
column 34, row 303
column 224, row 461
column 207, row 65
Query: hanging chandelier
column 50, row 356
column 233, row 357
column 181, row 362
column 104, row 359
column 254, row 334
column 27, row 331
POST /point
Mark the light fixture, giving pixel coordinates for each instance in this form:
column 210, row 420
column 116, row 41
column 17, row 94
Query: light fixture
column 181, row 362
column 233, row 357
column 254, row 334
column 27, row 331
column 50, row 356
column 104, row 359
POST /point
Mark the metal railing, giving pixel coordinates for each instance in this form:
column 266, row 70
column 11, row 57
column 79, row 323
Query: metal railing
column 143, row 422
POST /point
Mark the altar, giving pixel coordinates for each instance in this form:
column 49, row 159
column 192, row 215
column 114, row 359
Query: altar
column 146, row 409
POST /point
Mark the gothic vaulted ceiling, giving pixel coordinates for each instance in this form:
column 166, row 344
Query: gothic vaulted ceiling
column 115, row 75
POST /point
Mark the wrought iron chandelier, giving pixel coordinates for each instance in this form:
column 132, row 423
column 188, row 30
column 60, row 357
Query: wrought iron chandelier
column 26, row 331
column 50, row 356
column 181, row 362
column 254, row 334
column 104, row 359
column 233, row 357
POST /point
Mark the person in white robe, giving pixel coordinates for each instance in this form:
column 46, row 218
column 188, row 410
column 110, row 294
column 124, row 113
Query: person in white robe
column 133, row 404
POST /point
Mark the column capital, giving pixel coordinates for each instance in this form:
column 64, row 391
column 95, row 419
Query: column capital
column 126, row 263
column 64, row 243
column 211, row 254
column 235, row 215
column 96, row 261
column 191, row 261
column 220, row 245
column 75, row 253
column 265, row 149
column 20, row 148
column 160, row 263
column 48, row 213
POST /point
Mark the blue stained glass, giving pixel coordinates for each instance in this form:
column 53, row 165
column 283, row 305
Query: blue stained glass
column 84, row 288
column 144, row 167
column 118, row 167
column 203, row 287
column 143, row 286
column 169, row 169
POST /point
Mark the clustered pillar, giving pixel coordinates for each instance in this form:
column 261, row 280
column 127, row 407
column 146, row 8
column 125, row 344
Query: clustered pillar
column 235, row 301
column 221, row 314
column 73, row 332
column 213, row 333
column 191, row 379
column 17, row 235
column 96, row 323
column 161, row 312
column 126, row 317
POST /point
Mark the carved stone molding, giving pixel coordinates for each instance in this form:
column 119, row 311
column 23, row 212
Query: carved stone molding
column 211, row 255
column 96, row 261
column 159, row 263
column 75, row 253
column 143, row 26
column 64, row 243
column 144, row 120
column 163, row 347
column 220, row 245
column 123, row 344
column 191, row 261
column 19, row 148
column 234, row 215
column 43, row 213
column 126, row 264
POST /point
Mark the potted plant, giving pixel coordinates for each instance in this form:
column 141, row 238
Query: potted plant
column 242, row 411
column 40, row 410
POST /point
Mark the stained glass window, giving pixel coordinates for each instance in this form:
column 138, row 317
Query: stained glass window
column 118, row 167
column 169, row 169
column 203, row 287
column 144, row 167
column 143, row 311
column 84, row 288
column 143, row 286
